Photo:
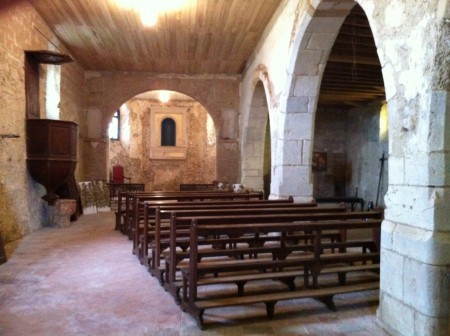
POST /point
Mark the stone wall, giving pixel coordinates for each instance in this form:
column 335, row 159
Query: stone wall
column 133, row 150
column 22, row 29
column 352, row 143
column 365, row 148
column 412, row 43
column 330, row 138
column 218, row 94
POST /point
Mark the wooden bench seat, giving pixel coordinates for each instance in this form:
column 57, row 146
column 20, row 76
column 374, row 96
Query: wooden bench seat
column 276, row 268
column 314, row 261
column 218, row 217
column 240, row 224
column 139, row 221
column 165, row 213
column 131, row 201
column 270, row 299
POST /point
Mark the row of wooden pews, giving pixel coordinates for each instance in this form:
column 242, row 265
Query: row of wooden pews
column 128, row 202
column 284, row 262
column 201, row 248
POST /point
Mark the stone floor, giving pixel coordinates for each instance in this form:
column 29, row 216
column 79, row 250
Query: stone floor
column 83, row 280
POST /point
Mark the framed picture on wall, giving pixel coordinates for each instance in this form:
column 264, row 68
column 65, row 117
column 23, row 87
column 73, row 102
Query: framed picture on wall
column 319, row 162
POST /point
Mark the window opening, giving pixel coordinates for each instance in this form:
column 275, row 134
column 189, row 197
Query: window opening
column 114, row 126
column 168, row 132
column 53, row 91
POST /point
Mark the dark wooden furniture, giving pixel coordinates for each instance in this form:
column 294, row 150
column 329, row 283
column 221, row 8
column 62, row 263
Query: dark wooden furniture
column 196, row 186
column 352, row 201
column 131, row 202
column 179, row 229
column 51, row 153
column 275, row 264
column 3, row 258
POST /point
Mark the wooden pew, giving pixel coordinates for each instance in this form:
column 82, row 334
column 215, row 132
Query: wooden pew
column 133, row 212
column 196, row 186
column 314, row 263
column 128, row 203
column 159, row 211
column 163, row 213
column 179, row 228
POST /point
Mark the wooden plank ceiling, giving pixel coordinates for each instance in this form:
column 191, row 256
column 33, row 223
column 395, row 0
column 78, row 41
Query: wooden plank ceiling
column 205, row 37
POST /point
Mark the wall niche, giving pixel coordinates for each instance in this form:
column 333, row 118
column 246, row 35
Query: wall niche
column 157, row 150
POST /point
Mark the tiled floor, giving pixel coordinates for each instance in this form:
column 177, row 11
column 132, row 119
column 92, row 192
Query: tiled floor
column 83, row 280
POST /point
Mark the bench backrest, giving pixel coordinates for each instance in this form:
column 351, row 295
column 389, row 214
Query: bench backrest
column 281, row 229
column 246, row 221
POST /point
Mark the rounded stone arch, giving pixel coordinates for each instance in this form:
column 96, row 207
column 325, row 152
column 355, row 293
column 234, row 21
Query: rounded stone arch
column 311, row 47
column 256, row 124
column 122, row 96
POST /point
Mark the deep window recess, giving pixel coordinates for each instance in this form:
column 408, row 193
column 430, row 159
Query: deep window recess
column 114, row 126
column 168, row 132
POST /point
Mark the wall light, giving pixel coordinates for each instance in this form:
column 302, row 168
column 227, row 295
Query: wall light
column 164, row 96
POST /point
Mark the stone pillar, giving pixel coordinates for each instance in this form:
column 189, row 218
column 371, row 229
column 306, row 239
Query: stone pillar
column 227, row 161
column 415, row 242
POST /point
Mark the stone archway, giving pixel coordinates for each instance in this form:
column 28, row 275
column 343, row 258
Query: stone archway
column 315, row 38
column 218, row 94
column 415, row 233
column 139, row 150
column 254, row 146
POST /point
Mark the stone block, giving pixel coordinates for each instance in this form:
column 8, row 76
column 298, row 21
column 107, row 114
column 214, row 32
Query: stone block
column 391, row 273
column 252, row 164
column 292, row 152
column 411, row 204
column 396, row 170
column 437, row 140
column 425, row 325
column 308, row 62
column 387, row 230
column 441, row 198
column 438, row 168
column 255, row 182
column 295, row 180
column 321, row 41
column 325, row 24
column 426, row 288
column 395, row 316
column 416, row 169
column 422, row 245
column 306, row 86
column 298, row 105
column 298, row 126
column 306, row 152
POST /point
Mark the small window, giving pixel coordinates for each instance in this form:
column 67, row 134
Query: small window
column 114, row 126
column 168, row 132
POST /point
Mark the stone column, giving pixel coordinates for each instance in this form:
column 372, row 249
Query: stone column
column 415, row 242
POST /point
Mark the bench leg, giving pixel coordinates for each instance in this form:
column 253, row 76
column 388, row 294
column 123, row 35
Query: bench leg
column 342, row 276
column 270, row 308
column 290, row 282
column 328, row 301
column 240, row 285
column 199, row 319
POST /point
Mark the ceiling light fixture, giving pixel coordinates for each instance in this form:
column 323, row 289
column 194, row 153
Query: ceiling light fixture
column 149, row 10
column 164, row 96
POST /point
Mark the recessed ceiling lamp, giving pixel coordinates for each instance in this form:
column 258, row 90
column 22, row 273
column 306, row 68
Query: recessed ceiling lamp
column 149, row 10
